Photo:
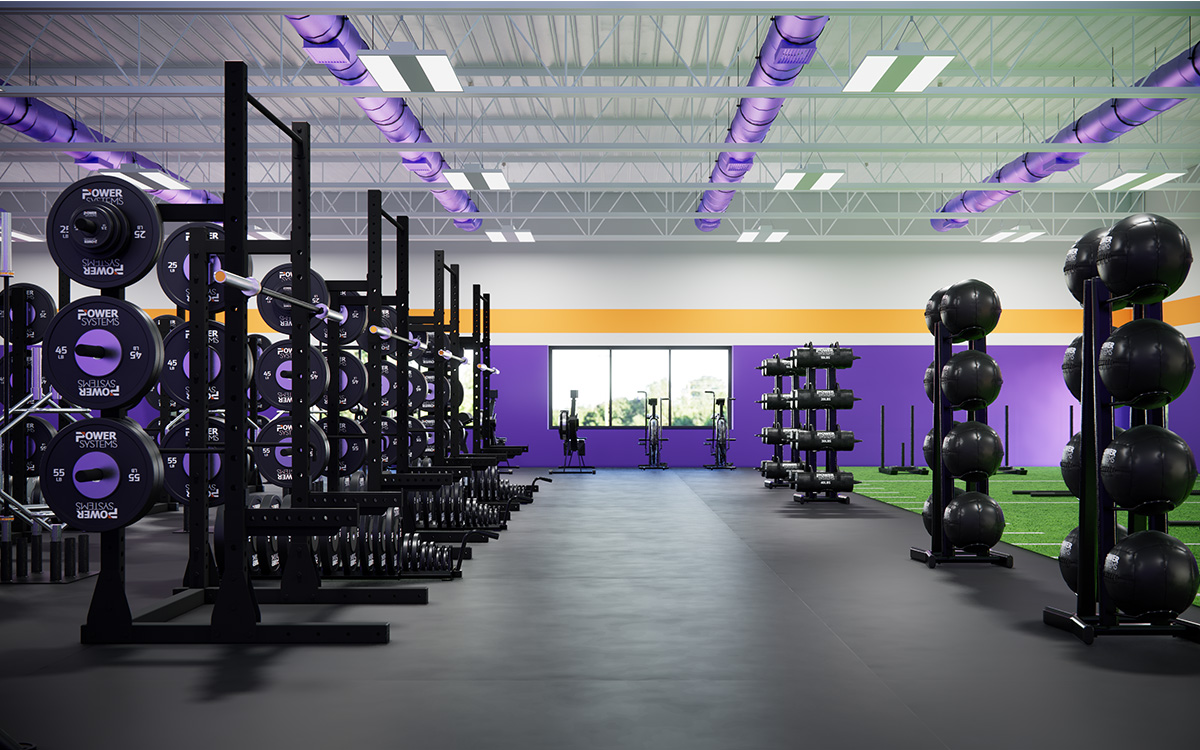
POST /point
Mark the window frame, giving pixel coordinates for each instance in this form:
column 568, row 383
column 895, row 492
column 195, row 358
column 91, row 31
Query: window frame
column 553, row 424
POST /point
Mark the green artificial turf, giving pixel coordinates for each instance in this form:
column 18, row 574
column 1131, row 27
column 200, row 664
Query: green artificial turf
column 1037, row 524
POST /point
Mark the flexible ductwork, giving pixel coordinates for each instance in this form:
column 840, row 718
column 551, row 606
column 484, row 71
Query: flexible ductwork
column 333, row 42
column 789, row 46
column 1103, row 124
column 46, row 124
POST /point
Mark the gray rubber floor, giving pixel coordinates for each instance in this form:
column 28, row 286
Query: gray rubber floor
column 680, row 609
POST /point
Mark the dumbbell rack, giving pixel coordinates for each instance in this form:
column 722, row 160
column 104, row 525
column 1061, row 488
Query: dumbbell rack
column 941, row 550
column 830, row 484
column 1095, row 612
column 775, row 470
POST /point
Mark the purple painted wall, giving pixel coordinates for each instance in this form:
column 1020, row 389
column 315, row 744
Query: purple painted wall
column 885, row 375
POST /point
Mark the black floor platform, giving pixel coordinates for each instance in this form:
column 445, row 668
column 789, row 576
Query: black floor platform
column 681, row 609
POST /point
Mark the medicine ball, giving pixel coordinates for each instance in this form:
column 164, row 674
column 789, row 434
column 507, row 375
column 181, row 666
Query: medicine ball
column 932, row 316
column 927, row 509
column 973, row 521
column 1068, row 556
column 1080, row 264
column 972, row 451
column 1072, row 368
column 1148, row 469
column 971, row 380
column 1151, row 574
column 1146, row 364
column 1071, row 464
column 930, row 381
column 927, row 446
column 1144, row 258
column 970, row 310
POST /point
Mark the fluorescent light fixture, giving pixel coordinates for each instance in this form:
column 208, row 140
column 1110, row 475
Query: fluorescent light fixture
column 1001, row 236
column 909, row 68
column 402, row 67
column 475, row 177
column 1139, row 180
column 22, row 237
column 808, row 180
column 495, row 180
column 146, row 179
column 1026, row 237
column 458, row 180
column 748, row 237
column 776, row 236
column 1156, row 181
column 509, row 234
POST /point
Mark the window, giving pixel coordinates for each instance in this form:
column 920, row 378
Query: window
column 614, row 383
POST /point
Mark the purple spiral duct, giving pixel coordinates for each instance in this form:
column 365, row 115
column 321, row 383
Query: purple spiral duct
column 334, row 42
column 46, row 124
column 1103, row 124
column 790, row 44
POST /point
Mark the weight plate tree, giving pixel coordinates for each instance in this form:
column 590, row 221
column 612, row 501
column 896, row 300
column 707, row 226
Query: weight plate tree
column 104, row 233
column 102, row 353
column 101, row 474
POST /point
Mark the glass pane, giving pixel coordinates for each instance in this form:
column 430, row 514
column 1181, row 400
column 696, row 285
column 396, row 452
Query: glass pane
column 583, row 370
column 694, row 371
column 466, row 376
column 636, row 370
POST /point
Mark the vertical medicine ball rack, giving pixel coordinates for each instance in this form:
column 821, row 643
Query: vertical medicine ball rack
column 941, row 550
column 1095, row 612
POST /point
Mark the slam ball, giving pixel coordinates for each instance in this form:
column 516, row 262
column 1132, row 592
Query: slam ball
column 971, row 380
column 1148, row 469
column 1080, row 264
column 927, row 509
column 972, row 451
column 927, row 446
column 1068, row 556
column 1151, row 574
column 1072, row 368
column 973, row 521
column 1144, row 258
column 930, row 381
column 1146, row 364
column 1071, row 464
column 932, row 316
column 970, row 310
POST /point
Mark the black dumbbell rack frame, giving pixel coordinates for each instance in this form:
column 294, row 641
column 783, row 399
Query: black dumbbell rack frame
column 1095, row 613
column 831, row 425
column 777, row 421
column 941, row 550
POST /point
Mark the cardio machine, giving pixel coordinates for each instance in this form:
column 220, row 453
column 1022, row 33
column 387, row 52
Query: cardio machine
column 574, row 447
column 653, row 439
column 719, row 442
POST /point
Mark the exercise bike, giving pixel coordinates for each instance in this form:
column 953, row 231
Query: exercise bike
column 653, row 438
column 719, row 442
column 574, row 447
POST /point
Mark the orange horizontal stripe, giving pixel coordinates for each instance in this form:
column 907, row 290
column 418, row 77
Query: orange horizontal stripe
column 1176, row 312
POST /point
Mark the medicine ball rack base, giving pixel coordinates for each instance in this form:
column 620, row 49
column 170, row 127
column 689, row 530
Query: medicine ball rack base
column 1095, row 612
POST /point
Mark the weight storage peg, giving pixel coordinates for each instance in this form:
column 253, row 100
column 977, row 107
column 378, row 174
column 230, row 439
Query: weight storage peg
column 101, row 474
column 104, row 233
column 102, row 353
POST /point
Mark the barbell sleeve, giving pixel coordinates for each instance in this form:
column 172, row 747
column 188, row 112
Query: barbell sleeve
column 249, row 287
column 446, row 354
column 384, row 332
column 485, row 368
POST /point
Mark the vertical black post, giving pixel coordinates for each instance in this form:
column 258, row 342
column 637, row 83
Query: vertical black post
column 374, row 344
column 235, row 609
column 943, row 417
column 912, row 435
column 453, row 340
column 197, row 575
column 980, row 415
column 485, row 357
column 439, row 364
column 1156, row 417
column 883, row 435
column 477, row 378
